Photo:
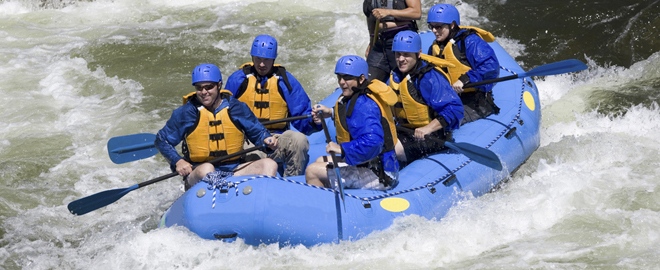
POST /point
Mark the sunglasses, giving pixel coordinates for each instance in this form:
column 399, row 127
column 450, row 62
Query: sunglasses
column 432, row 26
column 206, row 87
column 346, row 77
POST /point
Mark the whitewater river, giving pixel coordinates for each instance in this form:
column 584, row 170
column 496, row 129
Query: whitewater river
column 75, row 74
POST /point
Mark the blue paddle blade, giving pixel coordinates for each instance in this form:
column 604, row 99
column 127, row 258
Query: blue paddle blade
column 476, row 153
column 133, row 147
column 90, row 203
column 561, row 67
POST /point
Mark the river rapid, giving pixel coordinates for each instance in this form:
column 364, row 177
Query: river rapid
column 74, row 74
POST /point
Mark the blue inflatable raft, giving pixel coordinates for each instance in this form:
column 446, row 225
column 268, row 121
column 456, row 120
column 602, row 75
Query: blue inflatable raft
column 265, row 210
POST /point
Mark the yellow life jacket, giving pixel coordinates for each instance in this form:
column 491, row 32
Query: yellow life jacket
column 411, row 110
column 440, row 64
column 450, row 55
column 380, row 93
column 214, row 135
column 267, row 103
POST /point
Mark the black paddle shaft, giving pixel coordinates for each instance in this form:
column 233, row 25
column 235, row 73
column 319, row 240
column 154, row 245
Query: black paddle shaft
column 104, row 198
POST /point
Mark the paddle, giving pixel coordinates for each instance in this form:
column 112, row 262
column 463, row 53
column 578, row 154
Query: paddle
column 134, row 147
column 473, row 152
column 90, row 203
column 564, row 66
column 376, row 30
column 338, row 182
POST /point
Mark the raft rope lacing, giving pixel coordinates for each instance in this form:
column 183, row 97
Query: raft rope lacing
column 217, row 181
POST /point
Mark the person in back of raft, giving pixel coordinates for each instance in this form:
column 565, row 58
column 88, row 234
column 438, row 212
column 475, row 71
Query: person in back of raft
column 427, row 104
column 272, row 93
column 211, row 124
column 386, row 18
column 365, row 131
column 474, row 60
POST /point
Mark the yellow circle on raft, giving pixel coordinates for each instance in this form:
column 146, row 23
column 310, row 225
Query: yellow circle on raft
column 529, row 100
column 395, row 204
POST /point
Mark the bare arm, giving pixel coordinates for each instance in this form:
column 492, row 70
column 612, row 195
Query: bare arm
column 433, row 126
column 412, row 12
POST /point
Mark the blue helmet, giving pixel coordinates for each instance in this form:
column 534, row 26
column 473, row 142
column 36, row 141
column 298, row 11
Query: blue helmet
column 264, row 46
column 407, row 41
column 443, row 13
column 206, row 73
column 352, row 65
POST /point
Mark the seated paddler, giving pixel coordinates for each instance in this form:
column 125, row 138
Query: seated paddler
column 365, row 132
column 212, row 124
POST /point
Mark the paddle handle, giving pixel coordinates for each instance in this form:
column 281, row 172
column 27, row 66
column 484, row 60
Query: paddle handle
column 560, row 67
column 332, row 155
column 217, row 160
column 339, row 184
column 288, row 119
column 376, row 30
column 157, row 179
column 473, row 84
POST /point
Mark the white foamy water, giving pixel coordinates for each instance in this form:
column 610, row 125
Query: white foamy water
column 73, row 77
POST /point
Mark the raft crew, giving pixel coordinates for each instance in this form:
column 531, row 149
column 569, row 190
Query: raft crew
column 427, row 105
column 272, row 93
column 420, row 95
column 386, row 18
column 366, row 133
column 473, row 59
column 211, row 123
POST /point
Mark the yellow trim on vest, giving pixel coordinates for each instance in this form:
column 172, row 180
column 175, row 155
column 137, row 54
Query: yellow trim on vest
column 384, row 98
column 459, row 69
column 412, row 113
column 276, row 107
column 483, row 34
column 436, row 61
column 448, row 54
column 199, row 144
column 439, row 63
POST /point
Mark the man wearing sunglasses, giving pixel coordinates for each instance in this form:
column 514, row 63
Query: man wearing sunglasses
column 474, row 60
column 211, row 124
column 365, row 131
column 428, row 106
column 272, row 93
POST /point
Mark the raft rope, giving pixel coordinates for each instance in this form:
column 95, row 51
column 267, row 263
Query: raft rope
column 218, row 181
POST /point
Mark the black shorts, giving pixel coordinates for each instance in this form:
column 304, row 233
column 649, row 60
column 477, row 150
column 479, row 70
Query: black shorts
column 416, row 149
column 477, row 105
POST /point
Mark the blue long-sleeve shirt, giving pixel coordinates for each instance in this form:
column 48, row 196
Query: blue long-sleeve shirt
column 296, row 99
column 437, row 94
column 367, row 135
column 184, row 118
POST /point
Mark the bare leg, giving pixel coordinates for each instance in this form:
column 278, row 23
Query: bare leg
column 317, row 173
column 199, row 172
column 265, row 166
column 400, row 153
